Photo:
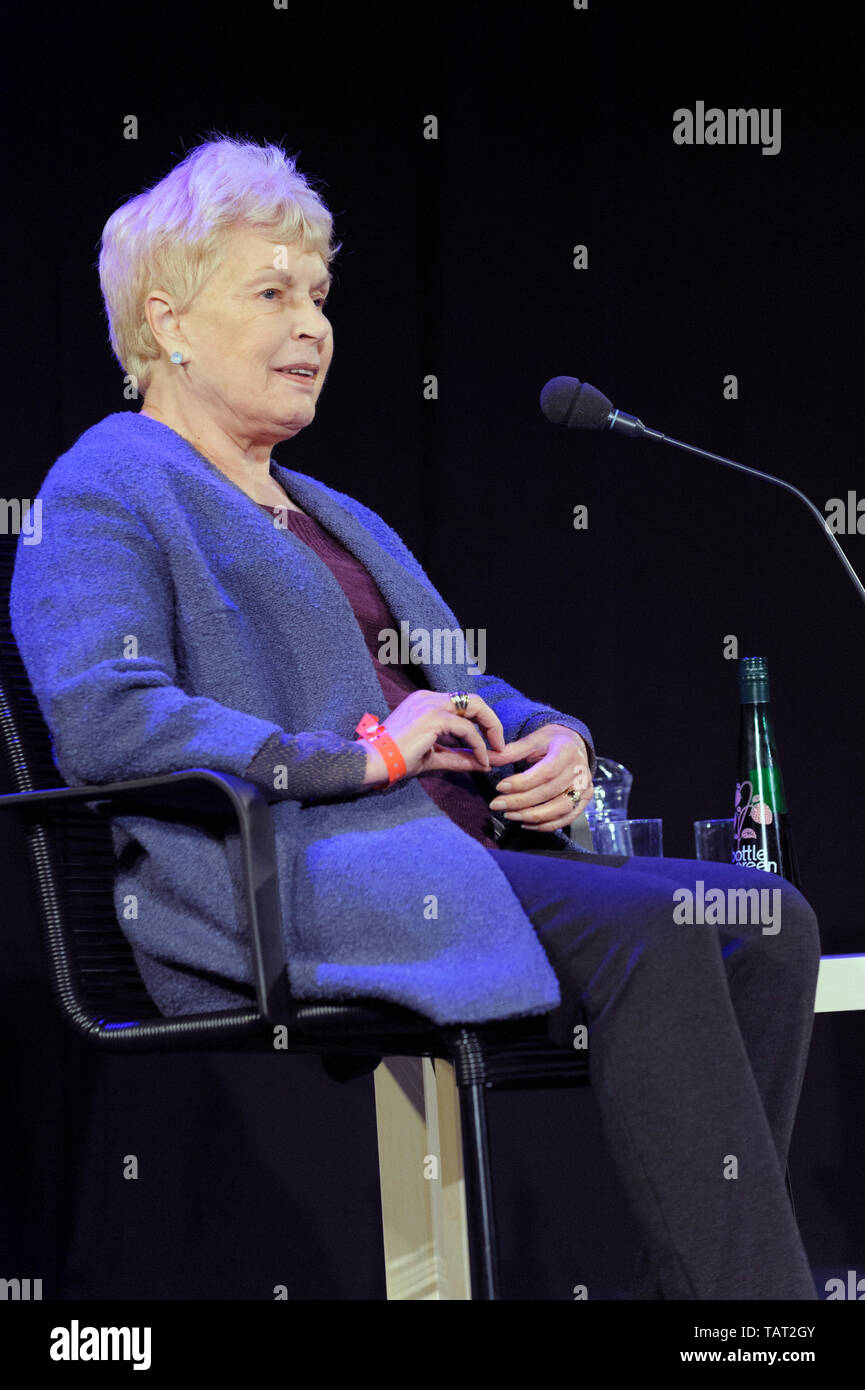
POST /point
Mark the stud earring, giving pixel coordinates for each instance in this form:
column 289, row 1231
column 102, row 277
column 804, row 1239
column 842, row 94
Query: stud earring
column 177, row 357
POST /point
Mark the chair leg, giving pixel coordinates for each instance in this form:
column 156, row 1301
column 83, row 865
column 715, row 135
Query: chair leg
column 423, row 1199
column 483, row 1241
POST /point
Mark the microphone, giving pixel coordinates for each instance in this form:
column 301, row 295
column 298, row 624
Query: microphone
column 567, row 401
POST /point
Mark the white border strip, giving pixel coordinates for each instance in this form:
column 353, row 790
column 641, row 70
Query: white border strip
column 840, row 984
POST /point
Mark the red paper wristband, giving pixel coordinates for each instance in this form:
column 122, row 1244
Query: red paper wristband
column 375, row 732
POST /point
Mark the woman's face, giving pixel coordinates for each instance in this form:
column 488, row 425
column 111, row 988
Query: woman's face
column 260, row 311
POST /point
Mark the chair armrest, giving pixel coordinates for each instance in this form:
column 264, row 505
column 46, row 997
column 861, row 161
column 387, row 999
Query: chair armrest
column 201, row 791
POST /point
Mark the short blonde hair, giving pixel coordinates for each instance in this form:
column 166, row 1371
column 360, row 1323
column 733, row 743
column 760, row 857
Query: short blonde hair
column 174, row 234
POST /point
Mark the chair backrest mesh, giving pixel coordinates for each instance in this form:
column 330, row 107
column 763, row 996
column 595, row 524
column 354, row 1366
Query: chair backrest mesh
column 71, row 856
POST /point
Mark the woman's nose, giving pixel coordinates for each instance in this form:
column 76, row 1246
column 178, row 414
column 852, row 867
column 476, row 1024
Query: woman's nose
column 311, row 323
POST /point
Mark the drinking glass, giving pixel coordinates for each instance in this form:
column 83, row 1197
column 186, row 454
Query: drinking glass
column 713, row 839
column 643, row 837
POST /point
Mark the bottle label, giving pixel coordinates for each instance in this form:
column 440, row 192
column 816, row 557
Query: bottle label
column 750, row 855
column 752, row 812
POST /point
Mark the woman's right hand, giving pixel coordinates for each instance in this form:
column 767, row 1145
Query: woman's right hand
column 425, row 727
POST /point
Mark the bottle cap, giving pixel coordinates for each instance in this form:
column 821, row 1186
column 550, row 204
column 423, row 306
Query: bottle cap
column 753, row 680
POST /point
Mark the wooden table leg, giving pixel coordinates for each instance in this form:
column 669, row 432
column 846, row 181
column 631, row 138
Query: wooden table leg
column 422, row 1186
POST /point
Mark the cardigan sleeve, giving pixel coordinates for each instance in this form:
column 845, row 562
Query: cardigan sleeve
column 92, row 611
column 308, row 767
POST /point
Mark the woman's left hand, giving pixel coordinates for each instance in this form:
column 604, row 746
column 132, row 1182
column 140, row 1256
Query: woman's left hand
column 537, row 798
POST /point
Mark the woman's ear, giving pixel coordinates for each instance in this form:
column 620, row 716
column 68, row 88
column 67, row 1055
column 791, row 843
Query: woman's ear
column 163, row 321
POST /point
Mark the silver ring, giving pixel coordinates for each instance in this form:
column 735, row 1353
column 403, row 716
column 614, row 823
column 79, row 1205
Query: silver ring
column 574, row 795
column 461, row 699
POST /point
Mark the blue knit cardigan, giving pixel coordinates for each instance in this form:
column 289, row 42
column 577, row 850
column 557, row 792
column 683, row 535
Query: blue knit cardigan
column 166, row 623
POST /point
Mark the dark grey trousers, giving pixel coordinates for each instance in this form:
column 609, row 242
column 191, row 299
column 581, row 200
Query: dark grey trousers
column 698, row 1038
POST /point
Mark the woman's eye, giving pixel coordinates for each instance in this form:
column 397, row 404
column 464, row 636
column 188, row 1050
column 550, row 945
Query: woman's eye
column 320, row 301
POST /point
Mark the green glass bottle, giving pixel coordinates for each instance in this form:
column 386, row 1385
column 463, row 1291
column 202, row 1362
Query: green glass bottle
column 761, row 832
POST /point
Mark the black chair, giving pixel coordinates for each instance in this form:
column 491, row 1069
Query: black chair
column 430, row 1091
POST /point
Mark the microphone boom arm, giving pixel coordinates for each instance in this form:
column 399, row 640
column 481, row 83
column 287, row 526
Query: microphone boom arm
column 630, row 425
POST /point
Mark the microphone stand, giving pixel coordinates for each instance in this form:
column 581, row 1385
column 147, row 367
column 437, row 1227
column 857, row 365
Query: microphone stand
column 635, row 429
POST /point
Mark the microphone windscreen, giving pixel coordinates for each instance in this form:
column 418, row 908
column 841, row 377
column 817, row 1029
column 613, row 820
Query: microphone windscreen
column 567, row 401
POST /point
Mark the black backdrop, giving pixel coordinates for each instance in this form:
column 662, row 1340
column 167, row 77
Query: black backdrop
column 554, row 129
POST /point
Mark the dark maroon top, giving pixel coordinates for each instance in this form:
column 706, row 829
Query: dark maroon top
column 463, row 796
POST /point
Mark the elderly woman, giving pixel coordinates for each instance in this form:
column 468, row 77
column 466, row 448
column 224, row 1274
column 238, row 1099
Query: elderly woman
column 194, row 603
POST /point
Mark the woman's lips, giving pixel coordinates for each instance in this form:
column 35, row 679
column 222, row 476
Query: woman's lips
column 306, row 381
